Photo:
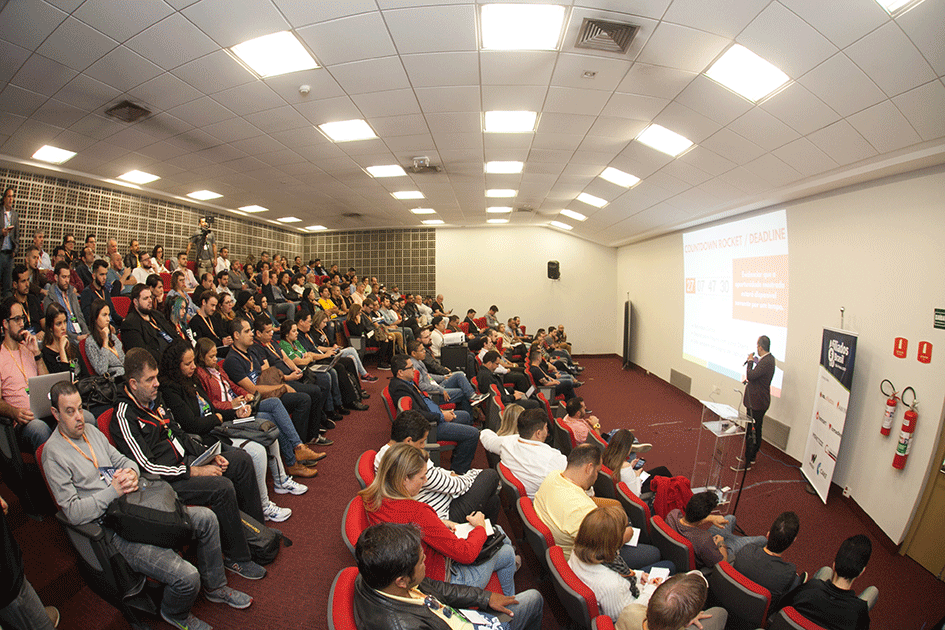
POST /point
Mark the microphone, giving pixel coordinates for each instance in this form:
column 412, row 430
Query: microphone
column 748, row 360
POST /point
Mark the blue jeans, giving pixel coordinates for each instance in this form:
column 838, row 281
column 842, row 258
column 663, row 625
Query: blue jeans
column 273, row 410
column 182, row 578
column 34, row 433
column 328, row 382
column 26, row 610
column 503, row 563
column 644, row 557
column 459, row 431
column 352, row 354
column 734, row 542
column 527, row 612
column 460, row 389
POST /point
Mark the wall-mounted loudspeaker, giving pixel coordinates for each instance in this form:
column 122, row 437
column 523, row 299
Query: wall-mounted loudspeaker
column 554, row 269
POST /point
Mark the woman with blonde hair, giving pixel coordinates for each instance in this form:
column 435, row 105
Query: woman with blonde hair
column 390, row 499
column 615, row 458
column 510, row 416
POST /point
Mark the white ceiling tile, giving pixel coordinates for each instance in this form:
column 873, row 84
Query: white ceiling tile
column 500, row 146
column 21, row 102
column 349, row 39
column 570, row 69
column 799, row 109
column 682, row 48
column 42, row 75
column 232, row 129
column 371, row 75
column 785, row 40
column 449, row 99
column 732, row 146
column 805, row 158
column 255, row 146
column 203, row 111
column 321, row 85
column 97, row 127
column 162, row 126
column 123, row 69
column 655, row 81
column 448, row 68
column 54, row 112
column 284, row 118
column 884, row 127
column 433, row 29
column 744, row 180
column 773, row 170
column 451, row 156
column 923, row 25
column 722, row 17
column 923, row 108
column 619, row 130
column 249, row 98
column 106, row 153
column 72, row 141
column 458, row 140
column 705, row 96
column 162, row 92
column 529, row 98
column 686, row 122
column 391, row 126
column 65, row 5
column 526, row 67
column 172, row 42
column 377, row 104
column 611, row 145
column 763, row 129
column 634, row 106
column 305, row 12
column 11, row 58
column 231, row 23
column 891, row 60
column 686, row 172
column 841, row 21
column 213, row 73
column 558, row 141
column 565, row 100
column 721, row 191
column 455, row 122
column 77, row 45
column 550, row 122
column 329, row 110
column 42, row 19
column 842, row 143
column 120, row 25
column 131, row 139
column 555, row 156
column 858, row 90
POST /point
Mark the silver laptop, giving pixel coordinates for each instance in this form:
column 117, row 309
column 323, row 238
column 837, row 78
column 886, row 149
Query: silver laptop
column 39, row 387
column 324, row 367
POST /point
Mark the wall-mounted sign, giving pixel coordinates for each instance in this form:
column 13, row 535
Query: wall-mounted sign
column 925, row 352
column 939, row 321
column 901, row 347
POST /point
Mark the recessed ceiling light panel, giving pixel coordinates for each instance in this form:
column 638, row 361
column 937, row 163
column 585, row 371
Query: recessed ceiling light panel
column 563, row 226
column 53, row 155
column 315, row 228
column 571, row 214
column 432, row 222
column 139, row 177
column 521, row 26
column 591, row 200
column 274, row 54
column 289, row 220
column 510, row 121
column 204, row 195
column 898, row 7
column 747, row 74
column 498, row 209
column 497, row 221
column 407, row 194
column 423, row 210
column 347, row 130
column 664, row 140
column 387, row 170
column 254, row 208
column 504, row 167
column 501, row 192
column 616, row 176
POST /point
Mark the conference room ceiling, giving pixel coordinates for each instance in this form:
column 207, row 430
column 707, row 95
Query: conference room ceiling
column 865, row 98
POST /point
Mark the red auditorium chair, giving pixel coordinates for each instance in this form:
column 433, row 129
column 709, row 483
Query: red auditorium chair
column 564, row 436
column 122, row 303
column 747, row 602
column 353, row 522
column 537, row 534
column 577, row 597
column 341, row 600
column 512, row 491
column 637, row 511
column 85, row 358
column 672, row 545
column 464, row 326
column 789, row 619
column 604, row 485
column 364, row 469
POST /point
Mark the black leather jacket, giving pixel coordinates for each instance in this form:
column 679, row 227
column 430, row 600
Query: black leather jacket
column 374, row 611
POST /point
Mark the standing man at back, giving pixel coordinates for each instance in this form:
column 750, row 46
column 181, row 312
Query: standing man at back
column 758, row 394
column 10, row 222
column 206, row 244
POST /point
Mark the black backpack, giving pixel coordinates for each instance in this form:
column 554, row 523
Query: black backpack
column 264, row 542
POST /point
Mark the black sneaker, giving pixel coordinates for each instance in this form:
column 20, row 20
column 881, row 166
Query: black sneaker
column 328, row 424
column 248, row 569
column 384, row 366
column 323, row 441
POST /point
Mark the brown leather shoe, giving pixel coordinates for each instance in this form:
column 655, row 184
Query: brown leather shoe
column 298, row 470
column 304, row 453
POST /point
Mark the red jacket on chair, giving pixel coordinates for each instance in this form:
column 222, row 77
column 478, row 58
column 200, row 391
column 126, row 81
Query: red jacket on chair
column 671, row 493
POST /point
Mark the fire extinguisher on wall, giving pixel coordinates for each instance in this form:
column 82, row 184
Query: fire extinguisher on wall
column 909, row 420
column 892, row 403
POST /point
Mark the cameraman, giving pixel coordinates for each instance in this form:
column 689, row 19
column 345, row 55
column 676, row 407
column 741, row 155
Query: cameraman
column 206, row 244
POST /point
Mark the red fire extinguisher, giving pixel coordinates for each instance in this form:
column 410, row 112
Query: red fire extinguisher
column 905, row 437
column 892, row 402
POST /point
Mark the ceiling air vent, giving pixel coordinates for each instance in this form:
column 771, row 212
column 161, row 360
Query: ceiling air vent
column 607, row 36
column 127, row 112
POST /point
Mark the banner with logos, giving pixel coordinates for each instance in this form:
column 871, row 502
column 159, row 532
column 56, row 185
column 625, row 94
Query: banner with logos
column 834, row 379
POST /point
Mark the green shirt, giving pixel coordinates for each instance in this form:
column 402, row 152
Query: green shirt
column 294, row 350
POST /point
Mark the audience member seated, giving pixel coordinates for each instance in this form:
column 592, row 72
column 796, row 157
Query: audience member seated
column 543, row 379
column 156, row 285
column 189, row 402
column 190, row 280
column 63, row 294
column 525, row 453
column 486, row 379
column 143, row 270
column 392, row 321
column 392, row 590
column 70, row 461
column 84, row 266
column 177, row 317
column 452, row 426
column 32, row 311
column 763, row 565
column 158, row 264
column 37, row 275
column 437, row 334
column 146, row 432
column 60, row 354
column 621, row 592
column 580, row 422
column 328, row 381
column 314, row 338
column 20, row 606
column 678, row 602
column 454, row 388
column 711, row 535
column 452, row 497
column 144, row 327
column 391, row 498
column 98, row 290
column 828, row 598
column 619, row 448
column 491, row 320
column 132, row 259
column 561, row 502
column 119, row 276
column 103, row 348
column 203, row 324
column 20, row 359
column 469, row 320
column 508, row 371
column 277, row 301
column 179, row 289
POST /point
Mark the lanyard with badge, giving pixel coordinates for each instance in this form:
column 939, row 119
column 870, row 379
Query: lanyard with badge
column 164, row 423
column 253, row 373
column 73, row 320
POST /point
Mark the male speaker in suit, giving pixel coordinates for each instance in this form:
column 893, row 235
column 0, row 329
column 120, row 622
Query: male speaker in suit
column 760, row 371
column 10, row 222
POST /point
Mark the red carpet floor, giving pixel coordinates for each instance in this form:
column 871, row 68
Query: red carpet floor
column 295, row 593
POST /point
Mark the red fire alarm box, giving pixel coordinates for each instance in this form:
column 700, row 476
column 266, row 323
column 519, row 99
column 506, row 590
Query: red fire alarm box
column 901, row 348
column 925, row 352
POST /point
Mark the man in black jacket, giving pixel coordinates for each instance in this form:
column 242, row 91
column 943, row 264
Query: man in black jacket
column 486, row 378
column 145, row 431
column 146, row 328
column 470, row 315
column 392, row 591
column 96, row 290
column 758, row 394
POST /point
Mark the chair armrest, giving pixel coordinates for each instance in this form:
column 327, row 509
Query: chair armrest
column 92, row 531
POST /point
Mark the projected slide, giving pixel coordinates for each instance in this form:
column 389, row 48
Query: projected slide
column 736, row 289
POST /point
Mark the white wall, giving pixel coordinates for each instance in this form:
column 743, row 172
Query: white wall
column 507, row 266
column 875, row 250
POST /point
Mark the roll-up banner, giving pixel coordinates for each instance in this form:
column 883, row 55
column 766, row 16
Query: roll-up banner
column 834, row 379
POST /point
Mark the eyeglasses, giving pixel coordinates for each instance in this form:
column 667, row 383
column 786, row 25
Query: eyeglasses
column 17, row 318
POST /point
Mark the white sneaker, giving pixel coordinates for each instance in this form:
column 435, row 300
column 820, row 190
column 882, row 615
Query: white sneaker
column 289, row 486
column 274, row 513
